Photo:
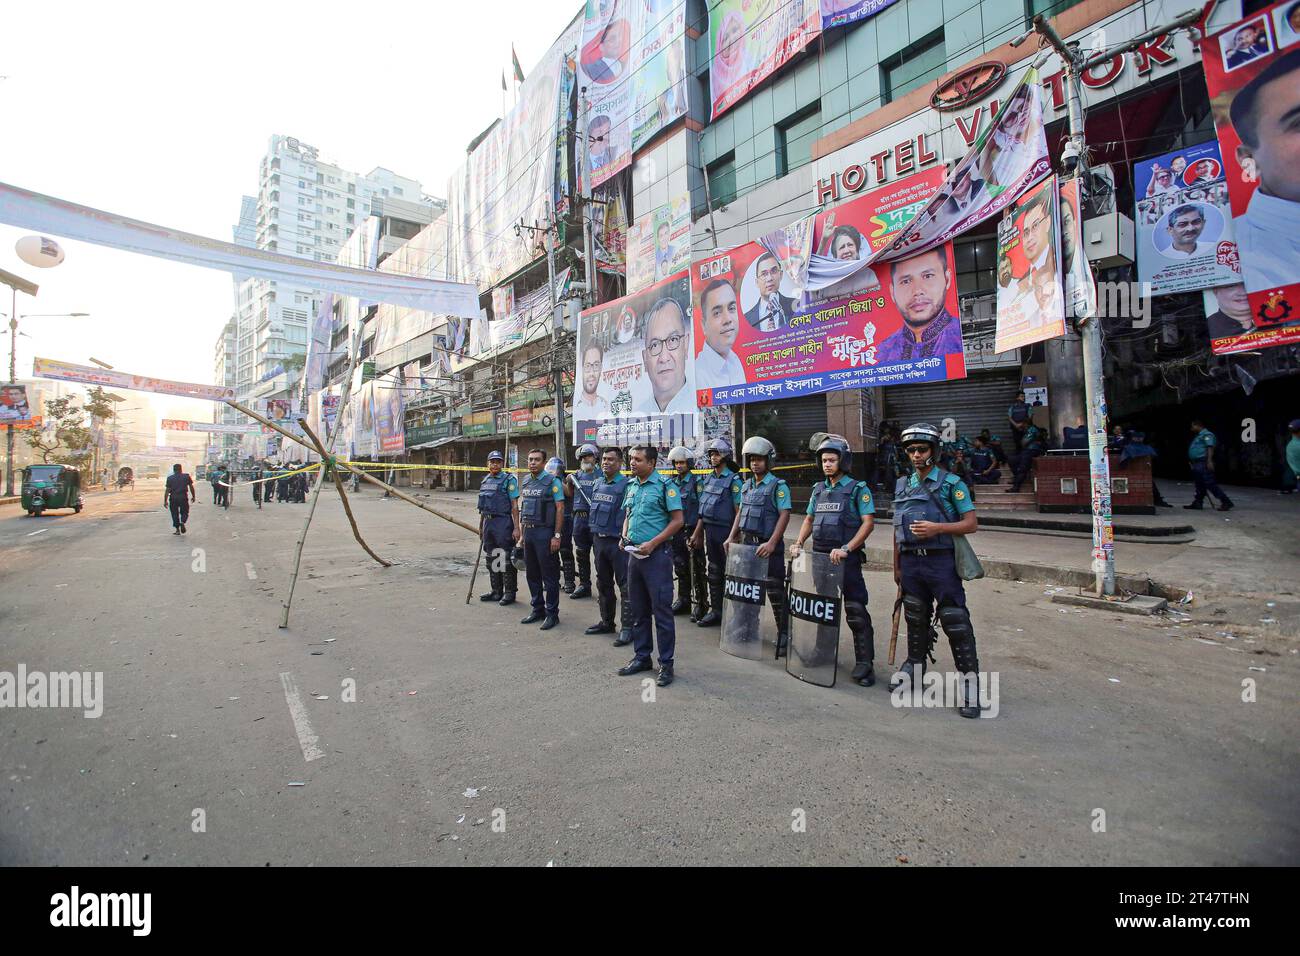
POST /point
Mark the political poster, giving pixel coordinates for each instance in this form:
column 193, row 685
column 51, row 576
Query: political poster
column 632, row 65
column 1031, row 300
column 659, row 244
column 1230, row 323
column 390, row 418
column 1080, row 287
column 838, row 13
column 319, row 356
column 636, row 368
column 1252, row 71
column 87, row 375
column 13, row 404
column 882, row 324
column 749, row 40
column 1184, row 224
column 222, row 428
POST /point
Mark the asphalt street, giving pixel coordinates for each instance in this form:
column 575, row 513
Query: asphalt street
column 475, row 740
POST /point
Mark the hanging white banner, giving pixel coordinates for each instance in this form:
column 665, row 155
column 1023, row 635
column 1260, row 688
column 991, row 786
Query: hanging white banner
column 29, row 210
column 67, row 372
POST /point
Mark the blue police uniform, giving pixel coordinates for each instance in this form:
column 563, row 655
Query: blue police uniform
column 688, row 563
column 928, row 572
column 584, row 484
column 650, row 505
column 1019, row 413
column 980, row 459
column 495, row 494
column 1198, row 456
column 606, row 523
column 537, row 500
column 837, row 508
column 761, row 504
column 566, row 535
column 719, row 499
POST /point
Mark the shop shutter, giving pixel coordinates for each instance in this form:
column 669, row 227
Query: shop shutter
column 974, row 403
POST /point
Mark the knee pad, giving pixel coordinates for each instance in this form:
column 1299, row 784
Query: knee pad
column 915, row 611
column 855, row 613
column 961, row 636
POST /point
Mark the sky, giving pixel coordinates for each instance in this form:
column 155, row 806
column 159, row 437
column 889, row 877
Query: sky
column 162, row 112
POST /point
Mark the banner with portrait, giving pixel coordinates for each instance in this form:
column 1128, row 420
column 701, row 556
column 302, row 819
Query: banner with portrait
column 838, row 13
column 659, row 244
column 1031, row 293
column 390, row 417
column 883, row 324
column 1230, row 323
column 1252, row 70
column 636, row 368
column 749, row 40
column 1184, row 223
column 316, row 365
column 1080, row 287
column 13, row 404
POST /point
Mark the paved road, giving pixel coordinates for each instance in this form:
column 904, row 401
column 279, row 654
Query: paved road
column 209, row 706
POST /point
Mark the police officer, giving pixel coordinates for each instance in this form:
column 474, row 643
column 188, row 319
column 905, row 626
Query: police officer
column 541, row 516
column 498, row 503
column 761, row 519
column 688, row 561
column 930, row 506
column 581, row 487
column 653, row 517
column 1018, row 416
column 606, row 519
column 719, row 499
column 841, row 514
column 1200, row 457
column 555, row 467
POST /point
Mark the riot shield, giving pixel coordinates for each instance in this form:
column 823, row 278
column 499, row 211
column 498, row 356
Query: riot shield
column 816, row 610
column 746, row 610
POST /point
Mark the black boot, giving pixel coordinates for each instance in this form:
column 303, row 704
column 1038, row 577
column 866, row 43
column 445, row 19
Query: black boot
column 955, row 622
column 584, row 575
column 606, row 625
column 683, row 603
column 497, row 584
column 781, row 612
column 920, row 638
column 510, row 584
column 714, row 616
column 566, row 569
column 699, row 587
column 864, row 642
column 625, row 619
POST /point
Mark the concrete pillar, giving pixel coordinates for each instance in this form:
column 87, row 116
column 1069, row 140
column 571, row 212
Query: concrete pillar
column 1065, row 393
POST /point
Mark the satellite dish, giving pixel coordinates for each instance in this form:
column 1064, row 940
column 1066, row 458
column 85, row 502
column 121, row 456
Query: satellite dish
column 39, row 251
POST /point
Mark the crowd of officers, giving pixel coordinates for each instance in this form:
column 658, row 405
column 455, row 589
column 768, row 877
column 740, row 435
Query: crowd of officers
column 641, row 528
column 269, row 483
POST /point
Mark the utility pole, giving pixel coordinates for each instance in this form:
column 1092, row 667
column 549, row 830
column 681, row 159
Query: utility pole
column 556, row 375
column 1103, row 534
column 589, row 273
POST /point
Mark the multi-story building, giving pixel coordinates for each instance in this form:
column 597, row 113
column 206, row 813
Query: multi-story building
column 223, row 373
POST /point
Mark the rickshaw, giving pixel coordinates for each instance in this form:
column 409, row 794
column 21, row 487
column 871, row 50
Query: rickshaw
column 125, row 476
column 51, row 486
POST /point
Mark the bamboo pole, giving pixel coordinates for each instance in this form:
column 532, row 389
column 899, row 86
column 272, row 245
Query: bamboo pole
column 343, row 495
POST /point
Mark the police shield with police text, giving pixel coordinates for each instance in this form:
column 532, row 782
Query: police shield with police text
column 688, row 560
column 761, row 521
column 816, row 610
column 498, row 495
column 840, row 517
column 930, row 508
column 745, row 622
column 583, row 485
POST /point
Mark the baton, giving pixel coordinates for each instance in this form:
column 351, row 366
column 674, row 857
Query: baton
column 482, row 523
column 893, row 629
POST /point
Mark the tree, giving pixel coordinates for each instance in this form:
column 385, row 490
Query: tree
column 65, row 439
column 100, row 407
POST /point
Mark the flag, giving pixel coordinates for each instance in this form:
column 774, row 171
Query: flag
column 503, row 81
column 514, row 58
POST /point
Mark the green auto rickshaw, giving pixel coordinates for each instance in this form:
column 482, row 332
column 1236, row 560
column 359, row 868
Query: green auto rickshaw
column 51, row 486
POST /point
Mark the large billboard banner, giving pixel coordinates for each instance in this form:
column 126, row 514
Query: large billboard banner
column 1230, row 323
column 390, row 412
column 13, row 404
column 68, row 372
column 749, row 40
column 1252, row 70
column 838, row 13
column 636, row 368
column 1031, row 300
column 1184, row 224
column 882, row 324
column 177, row 425
column 659, row 244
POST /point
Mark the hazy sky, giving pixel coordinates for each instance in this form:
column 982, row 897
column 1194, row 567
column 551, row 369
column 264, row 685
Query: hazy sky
column 162, row 112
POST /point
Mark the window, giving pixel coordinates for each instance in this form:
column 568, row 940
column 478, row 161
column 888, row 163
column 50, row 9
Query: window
column 352, row 204
column 397, row 190
column 923, row 61
column 977, row 261
column 794, row 139
column 1048, row 8
column 722, row 179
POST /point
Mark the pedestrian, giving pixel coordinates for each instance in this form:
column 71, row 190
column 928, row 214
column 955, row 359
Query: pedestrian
column 1018, row 415
column 1118, row 439
column 930, row 507
column 215, row 480
column 761, row 520
column 607, row 497
column 1033, row 444
column 282, row 485
column 555, row 468
column 174, row 497
column 541, row 516
column 653, row 510
column 103, row 478
column 1135, row 446
column 719, row 500
column 688, row 561
column 840, row 517
column 582, row 484
column 498, row 503
column 1200, row 457
column 256, row 479
column 227, row 485
column 1291, row 459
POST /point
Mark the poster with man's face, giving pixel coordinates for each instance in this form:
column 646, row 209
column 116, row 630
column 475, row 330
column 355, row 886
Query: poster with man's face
column 13, row 404
column 1031, row 293
column 1252, row 70
column 1185, row 238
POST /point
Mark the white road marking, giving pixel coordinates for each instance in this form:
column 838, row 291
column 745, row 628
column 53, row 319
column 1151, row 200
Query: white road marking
column 248, row 566
column 33, row 533
column 307, row 738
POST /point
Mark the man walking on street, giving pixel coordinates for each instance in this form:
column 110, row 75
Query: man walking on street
column 1291, row 459
column 174, row 491
column 654, row 515
column 1200, row 456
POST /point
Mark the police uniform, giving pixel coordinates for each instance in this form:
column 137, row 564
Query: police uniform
column 980, row 459
column 584, row 484
column 928, row 571
column 1019, row 413
column 606, row 521
column 1198, row 453
column 688, row 562
column 566, row 536
column 495, row 494
column 761, row 504
column 650, row 505
column 538, row 496
column 719, row 499
column 837, row 509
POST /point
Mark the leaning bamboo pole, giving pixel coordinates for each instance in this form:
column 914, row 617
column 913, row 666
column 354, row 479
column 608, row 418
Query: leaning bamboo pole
column 343, row 495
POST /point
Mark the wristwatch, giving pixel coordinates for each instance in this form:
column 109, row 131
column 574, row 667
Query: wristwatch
column 557, row 536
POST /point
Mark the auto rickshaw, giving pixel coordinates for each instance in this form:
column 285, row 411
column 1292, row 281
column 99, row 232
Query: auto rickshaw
column 125, row 476
column 51, row 486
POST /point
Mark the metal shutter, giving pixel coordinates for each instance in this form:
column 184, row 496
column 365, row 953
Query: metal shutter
column 798, row 419
column 974, row 403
